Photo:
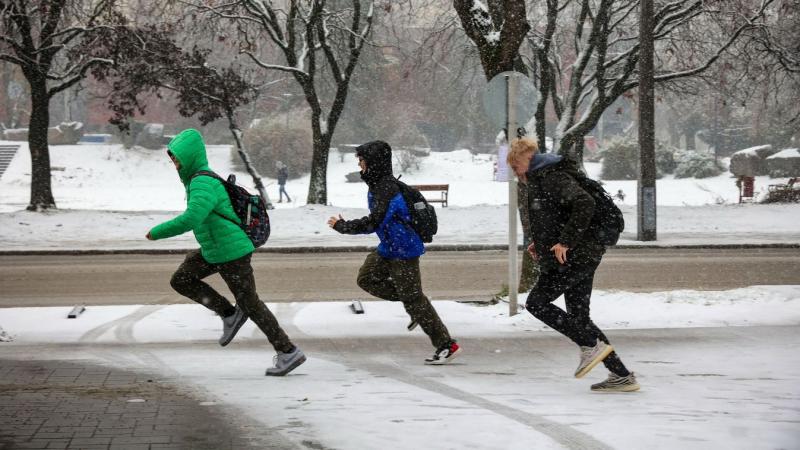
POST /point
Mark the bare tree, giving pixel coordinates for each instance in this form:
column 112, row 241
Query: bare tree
column 41, row 38
column 584, row 53
column 318, row 40
column 497, row 28
column 751, row 95
column 153, row 62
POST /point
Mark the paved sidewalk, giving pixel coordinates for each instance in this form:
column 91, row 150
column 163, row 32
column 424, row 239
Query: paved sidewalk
column 62, row 405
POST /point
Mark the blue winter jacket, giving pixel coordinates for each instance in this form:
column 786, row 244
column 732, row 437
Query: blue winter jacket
column 390, row 219
column 398, row 239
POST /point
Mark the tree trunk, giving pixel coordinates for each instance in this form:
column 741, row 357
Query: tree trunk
column 237, row 137
column 689, row 136
column 529, row 273
column 41, row 190
column 318, row 184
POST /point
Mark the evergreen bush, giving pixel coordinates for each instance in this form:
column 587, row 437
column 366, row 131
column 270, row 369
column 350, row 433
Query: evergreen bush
column 270, row 141
column 697, row 165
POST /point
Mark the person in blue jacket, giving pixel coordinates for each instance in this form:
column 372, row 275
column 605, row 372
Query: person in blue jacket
column 391, row 272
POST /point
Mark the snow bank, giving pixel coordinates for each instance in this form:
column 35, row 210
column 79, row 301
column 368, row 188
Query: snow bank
column 611, row 310
column 786, row 153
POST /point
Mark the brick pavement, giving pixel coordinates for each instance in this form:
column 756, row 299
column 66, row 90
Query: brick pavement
column 72, row 405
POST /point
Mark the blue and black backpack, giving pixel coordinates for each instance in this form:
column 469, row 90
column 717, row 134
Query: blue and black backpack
column 423, row 216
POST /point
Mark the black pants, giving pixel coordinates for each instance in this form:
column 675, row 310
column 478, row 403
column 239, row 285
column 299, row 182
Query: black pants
column 574, row 281
column 238, row 275
column 400, row 280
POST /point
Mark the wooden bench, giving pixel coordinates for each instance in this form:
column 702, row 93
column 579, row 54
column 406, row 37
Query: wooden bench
column 785, row 192
column 444, row 190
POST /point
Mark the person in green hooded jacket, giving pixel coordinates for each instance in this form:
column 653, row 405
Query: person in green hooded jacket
column 224, row 248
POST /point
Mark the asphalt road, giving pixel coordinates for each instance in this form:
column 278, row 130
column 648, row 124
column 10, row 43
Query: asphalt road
column 61, row 280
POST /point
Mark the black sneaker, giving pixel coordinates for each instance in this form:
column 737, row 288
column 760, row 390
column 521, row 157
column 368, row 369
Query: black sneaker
column 444, row 354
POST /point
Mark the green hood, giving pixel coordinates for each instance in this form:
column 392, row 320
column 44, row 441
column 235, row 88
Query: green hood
column 190, row 150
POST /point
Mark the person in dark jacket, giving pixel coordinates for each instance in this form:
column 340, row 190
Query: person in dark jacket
column 224, row 249
column 283, row 175
column 391, row 272
column 560, row 212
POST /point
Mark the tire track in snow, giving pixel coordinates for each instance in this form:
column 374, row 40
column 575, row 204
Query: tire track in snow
column 562, row 434
column 123, row 331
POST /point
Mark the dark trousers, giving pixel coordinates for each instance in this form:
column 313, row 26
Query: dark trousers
column 399, row 280
column 238, row 275
column 281, row 192
column 574, row 281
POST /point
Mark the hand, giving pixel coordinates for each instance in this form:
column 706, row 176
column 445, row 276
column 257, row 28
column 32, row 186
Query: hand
column 332, row 221
column 149, row 237
column 532, row 251
column 560, row 251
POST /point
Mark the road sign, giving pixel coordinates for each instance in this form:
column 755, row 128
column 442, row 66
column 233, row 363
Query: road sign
column 495, row 101
column 15, row 90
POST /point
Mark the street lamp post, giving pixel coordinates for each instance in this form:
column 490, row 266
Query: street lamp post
column 646, row 202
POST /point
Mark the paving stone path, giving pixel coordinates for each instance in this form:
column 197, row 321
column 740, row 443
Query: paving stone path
column 71, row 405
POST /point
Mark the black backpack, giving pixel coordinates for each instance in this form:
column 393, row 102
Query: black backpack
column 607, row 221
column 250, row 209
column 423, row 216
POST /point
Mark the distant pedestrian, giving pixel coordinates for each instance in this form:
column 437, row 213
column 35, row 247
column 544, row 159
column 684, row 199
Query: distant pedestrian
column 560, row 213
column 283, row 175
column 224, row 249
column 391, row 272
column 620, row 195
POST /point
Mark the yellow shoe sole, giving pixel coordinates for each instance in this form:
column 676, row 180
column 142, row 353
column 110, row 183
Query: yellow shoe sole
column 626, row 388
column 595, row 362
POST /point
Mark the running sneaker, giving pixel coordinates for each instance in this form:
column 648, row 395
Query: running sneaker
column 444, row 354
column 591, row 356
column 616, row 383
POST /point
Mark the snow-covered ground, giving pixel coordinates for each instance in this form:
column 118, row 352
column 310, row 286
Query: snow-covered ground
column 107, row 177
column 613, row 310
column 108, row 198
column 716, row 367
column 710, row 371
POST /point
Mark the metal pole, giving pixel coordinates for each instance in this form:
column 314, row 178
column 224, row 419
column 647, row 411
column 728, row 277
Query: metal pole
column 511, row 126
column 646, row 202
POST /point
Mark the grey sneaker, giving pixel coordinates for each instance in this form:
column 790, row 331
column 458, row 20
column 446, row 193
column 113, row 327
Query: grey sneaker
column 591, row 356
column 284, row 363
column 231, row 325
column 616, row 383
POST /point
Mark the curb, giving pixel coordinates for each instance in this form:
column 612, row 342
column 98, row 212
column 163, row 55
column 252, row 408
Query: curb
column 364, row 249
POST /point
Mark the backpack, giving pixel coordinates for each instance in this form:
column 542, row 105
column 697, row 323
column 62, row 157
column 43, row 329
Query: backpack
column 607, row 221
column 423, row 216
column 250, row 209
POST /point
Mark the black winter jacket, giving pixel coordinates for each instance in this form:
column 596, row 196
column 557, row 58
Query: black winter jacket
column 382, row 192
column 560, row 212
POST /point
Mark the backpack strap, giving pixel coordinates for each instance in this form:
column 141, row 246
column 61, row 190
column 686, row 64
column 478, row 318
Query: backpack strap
column 410, row 207
column 207, row 173
column 211, row 174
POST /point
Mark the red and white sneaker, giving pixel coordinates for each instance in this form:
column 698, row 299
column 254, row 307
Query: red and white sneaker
column 444, row 354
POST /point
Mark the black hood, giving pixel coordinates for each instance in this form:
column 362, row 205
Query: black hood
column 378, row 155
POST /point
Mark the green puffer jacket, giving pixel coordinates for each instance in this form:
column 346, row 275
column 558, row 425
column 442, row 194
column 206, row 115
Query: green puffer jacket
column 220, row 239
